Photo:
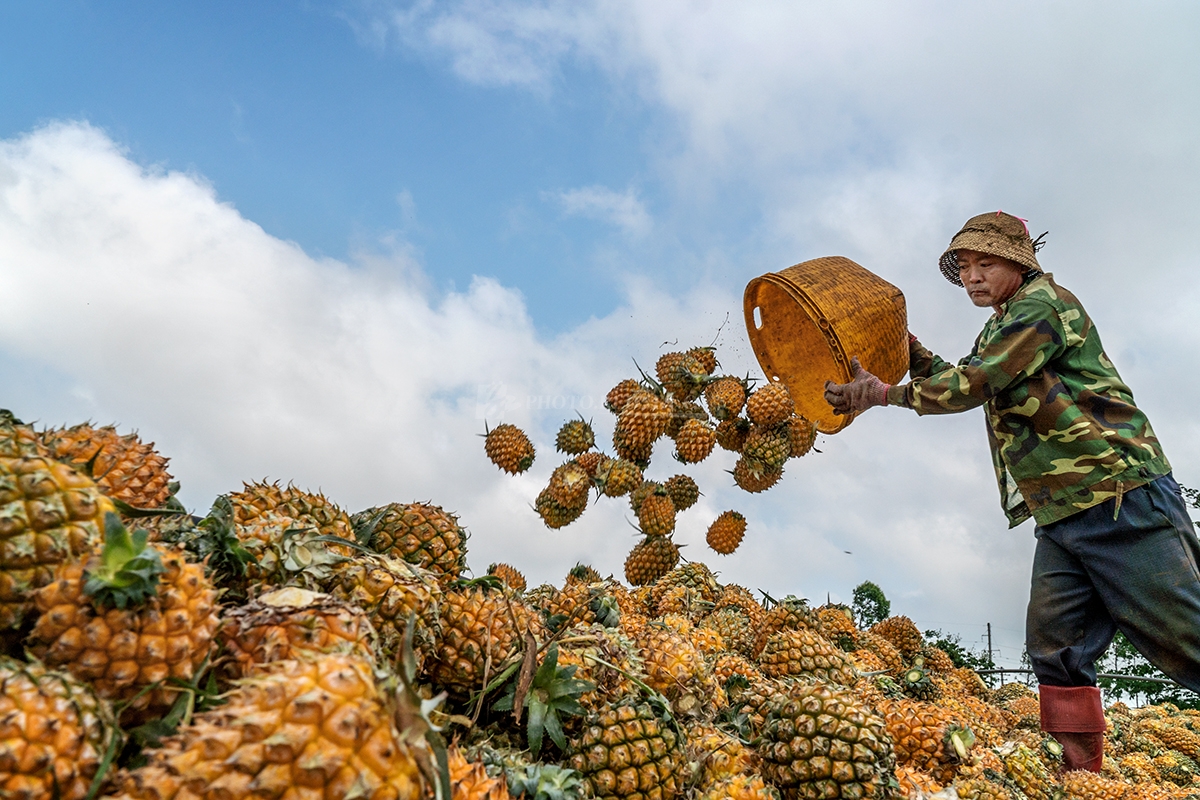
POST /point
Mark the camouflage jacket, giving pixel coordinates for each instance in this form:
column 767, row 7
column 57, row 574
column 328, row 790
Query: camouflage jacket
column 1064, row 431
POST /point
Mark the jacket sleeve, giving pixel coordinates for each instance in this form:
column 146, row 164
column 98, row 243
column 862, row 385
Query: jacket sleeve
column 922, row 363
column 1019, row 344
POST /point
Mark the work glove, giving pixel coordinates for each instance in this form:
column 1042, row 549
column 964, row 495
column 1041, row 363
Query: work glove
column 862, row 392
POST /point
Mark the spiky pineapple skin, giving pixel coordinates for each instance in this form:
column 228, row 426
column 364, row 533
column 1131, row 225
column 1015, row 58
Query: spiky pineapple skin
column 509, row 448
column 421, row 534
column 314, row 728
column 480, row 630
column 650, row 559
column 726, row 532
column 683, row 491
column 129, row 654
column 53, row 732
column 283, row 624
column 628, row 752
column 725, row 397
column 391, row 592
column 124, row 467
column 805, row 653
column 770, row 405
column 50, row 514
column 656, row 515
column 510, row 575
column 575, row 437
column 754, row 477
column 824, row 743
column 694, row 442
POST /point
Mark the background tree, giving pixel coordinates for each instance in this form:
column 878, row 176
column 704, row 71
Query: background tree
column 870, row 605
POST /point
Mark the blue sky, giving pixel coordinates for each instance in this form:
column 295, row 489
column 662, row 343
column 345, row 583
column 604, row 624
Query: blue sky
column 316, row 137
column 316, row 242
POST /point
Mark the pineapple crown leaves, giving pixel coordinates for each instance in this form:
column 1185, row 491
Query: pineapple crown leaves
column 546, row 782
column 554, row 690
column 607, row 612
column 959, row 740
column 128, row 571
column 413, row 714
column 484, row 583
column 227, row 558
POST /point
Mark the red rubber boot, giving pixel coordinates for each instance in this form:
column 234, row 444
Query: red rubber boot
column 1074, row 716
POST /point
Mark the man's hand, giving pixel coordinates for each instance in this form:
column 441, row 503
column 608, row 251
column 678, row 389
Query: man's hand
column 861, row 393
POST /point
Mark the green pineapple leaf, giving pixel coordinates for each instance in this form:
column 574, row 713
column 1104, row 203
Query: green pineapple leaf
column 128, row 571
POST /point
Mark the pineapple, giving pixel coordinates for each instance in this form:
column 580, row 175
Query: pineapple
column 630, row 750
column 617, row 477
column 304, row 509
column 316, row 727
column 719, row 755
column 569, row 484
column 805, row 653
column 683, row 491
column 642, row 420
column 508, row 448
column 903, row 633
column 768, row 448
column 419, row 533
column 694, row 442
column 389, row 591
column 770, row 405
column 836, row 622
column 915, row 784
column 732, row 433
column 1084, row 785
column 582, row 573
column 693, row 575
column 884, row 650
column 707, row 358
column 282, row 551
column 281, row 624
column 54, row 732
column 574, row 437
column 50, row 514
column 790, row 613
column 469, row 780
column 656, row 515
column 123, row 467
column 683, row 413
column 555, row 514
column 823, row 742
column 673, row 666
column 591, row 461
column 1027, row 772
column 734, row 628
column 725, row 397
column 726, row 532
column 511, row 576
column 683, row 375
column 615, row 400
column 927, row 737
column 754, row 476
column 650, row 559
column 726, row 665
column 591, row 654
column 481, row 629
column 128, row 620
column 802, row 435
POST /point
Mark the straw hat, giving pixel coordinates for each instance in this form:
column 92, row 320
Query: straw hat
column 996, row 233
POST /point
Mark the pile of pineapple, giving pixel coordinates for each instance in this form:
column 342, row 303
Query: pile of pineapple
column 760, row 425
column 282, row 648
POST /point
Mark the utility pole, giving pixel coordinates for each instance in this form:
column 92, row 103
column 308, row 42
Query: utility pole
column 989, row 631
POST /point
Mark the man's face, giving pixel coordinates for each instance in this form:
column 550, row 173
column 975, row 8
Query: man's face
column 989, row 280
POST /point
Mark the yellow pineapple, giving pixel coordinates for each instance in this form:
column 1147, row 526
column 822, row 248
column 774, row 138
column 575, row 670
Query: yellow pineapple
column 509, row 448
column 282, row 624
column 124, row 467
column 419, row 533
column 52, row 514
column 54, row 733
column 630, row 750
column 315, row 727
column 128, row 621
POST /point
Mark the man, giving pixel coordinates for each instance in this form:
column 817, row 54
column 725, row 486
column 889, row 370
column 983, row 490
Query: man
column 1116, row 549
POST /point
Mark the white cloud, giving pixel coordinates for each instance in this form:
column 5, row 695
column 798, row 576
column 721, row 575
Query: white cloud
column 623, row 209
column 135, row 295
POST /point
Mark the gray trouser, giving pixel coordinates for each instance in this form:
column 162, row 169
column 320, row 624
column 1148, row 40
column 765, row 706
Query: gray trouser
column 1093, row 576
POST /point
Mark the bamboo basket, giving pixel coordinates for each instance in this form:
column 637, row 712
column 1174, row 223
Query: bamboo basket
column 806, row 322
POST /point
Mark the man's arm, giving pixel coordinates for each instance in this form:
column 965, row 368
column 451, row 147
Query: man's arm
column 1021, row 343
column 922, row 363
